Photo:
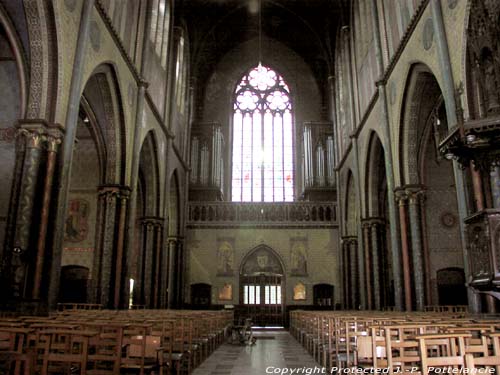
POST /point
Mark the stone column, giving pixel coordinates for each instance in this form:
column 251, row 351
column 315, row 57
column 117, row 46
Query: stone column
column 401, row 198
column 110, row 196
column 367, row 258
column 172, row 247
column 147, row 277
column 375, row 233
column 354, row 269
column 414, row 193
column 158, row 262
column 179, row 280
column 121, row 291
column 425, row 249
column 20, row 250
column 345, row 272
column 52, row 146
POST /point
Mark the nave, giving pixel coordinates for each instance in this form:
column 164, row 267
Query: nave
column 273, row 351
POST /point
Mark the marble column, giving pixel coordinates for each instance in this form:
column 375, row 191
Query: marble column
column 121, row 286
column 20, row 250
column 179, row 283
column 158, row 262
column 414, row 193
column 375, row 234
column 149, row 247
column 52, row 147
column 368, row 265
column 401, row 198
column 354, row 269
column 110, row 198
column 345, row 273
column 425, row 251
column 172, row 247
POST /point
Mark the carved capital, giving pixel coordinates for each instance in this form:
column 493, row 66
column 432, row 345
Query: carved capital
column 415, row 193
column 53, row 143
column 401, row 196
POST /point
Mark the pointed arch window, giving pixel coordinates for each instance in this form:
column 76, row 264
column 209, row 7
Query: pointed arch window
column 262, row 160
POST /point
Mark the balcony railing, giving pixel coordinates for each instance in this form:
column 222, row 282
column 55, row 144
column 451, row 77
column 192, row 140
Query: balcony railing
column 237, row 214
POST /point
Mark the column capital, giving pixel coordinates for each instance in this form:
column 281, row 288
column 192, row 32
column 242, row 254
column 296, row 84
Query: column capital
column 114, row 190
column 373, row 221
column 400, row 195
column 154, row 221
column 348, row 239
column 53, row 143
column 415, row 193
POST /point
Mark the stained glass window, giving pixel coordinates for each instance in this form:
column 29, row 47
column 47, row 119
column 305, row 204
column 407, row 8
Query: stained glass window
column 262, row 168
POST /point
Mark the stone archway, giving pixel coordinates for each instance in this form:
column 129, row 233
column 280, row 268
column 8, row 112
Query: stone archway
column 97, row 199
column 427, row 197
column 376, row 231
column 148, row 260
column 262, row 287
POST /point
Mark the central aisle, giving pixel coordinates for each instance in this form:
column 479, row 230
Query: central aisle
column 272, row 350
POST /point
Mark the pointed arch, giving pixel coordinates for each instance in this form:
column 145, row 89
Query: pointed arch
column 420, row 97
column 103, row 96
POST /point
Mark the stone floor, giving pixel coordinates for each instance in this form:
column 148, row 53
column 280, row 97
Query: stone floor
column 273, row 352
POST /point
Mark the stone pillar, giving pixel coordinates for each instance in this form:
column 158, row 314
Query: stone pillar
column 401, row 198
column 345, row 272
column 179, row 280
column 375, row 234
column 354, row 269
column 172, row 247
column 20, row 250
column 368, row 265
column 52, row 146
column 110, row 196
column 121, row 290
column 157, row 285
column 148, row 259
column 414, row 193
column 426, row 253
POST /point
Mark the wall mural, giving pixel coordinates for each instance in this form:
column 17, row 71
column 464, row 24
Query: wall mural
column 77, row 225
column 262, row 260
column 226, row 292
column 299, row 292
column 298, row 256
column 225, row 257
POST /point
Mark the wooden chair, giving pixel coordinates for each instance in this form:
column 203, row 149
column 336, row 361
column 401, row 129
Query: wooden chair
column 446, row 350
column 142, row 351
column 64, row 351
column 15, row 358
column 105, row 348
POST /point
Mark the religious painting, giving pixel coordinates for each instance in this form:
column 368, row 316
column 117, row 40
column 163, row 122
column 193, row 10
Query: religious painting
column 262, row 260
column 299, row 292
column 225, row 257
column 226, row 292
column 77, row 227
column 298, row 257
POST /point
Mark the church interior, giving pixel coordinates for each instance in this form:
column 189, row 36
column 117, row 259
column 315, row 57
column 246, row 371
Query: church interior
column 249, row 186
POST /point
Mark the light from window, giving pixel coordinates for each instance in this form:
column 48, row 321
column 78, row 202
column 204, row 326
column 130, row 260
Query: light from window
column 252, row 295
column 263, row 167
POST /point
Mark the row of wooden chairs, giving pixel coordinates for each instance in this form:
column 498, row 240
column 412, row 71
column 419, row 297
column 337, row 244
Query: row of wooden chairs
column 398, row 342
column 103, row 342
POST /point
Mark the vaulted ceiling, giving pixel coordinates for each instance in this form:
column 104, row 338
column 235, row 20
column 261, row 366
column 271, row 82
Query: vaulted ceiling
column 217, row 26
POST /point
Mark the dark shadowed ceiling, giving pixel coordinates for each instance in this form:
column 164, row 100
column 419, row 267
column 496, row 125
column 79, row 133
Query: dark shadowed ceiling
column 306, row 26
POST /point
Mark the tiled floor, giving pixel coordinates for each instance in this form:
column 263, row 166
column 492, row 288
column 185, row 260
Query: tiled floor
column 275, row 349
